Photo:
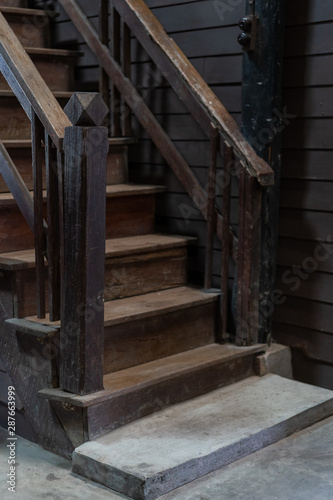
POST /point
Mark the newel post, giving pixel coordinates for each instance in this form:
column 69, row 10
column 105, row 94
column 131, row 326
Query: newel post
column 86, row 147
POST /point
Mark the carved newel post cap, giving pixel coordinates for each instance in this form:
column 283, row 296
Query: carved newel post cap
column 86, row 109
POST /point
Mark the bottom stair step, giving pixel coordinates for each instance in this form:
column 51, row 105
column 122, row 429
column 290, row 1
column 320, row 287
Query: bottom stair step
column 159, row 453
column 141, row 390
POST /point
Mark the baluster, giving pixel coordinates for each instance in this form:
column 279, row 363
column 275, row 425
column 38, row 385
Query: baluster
column 53, row 234
column 126, row 67
column 104, row 80
column 37, row 133
column 211, row 192
column 248, row 266
column 229, row 158
column 115, row 94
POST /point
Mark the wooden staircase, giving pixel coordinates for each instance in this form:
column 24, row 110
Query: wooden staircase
column 162, row 342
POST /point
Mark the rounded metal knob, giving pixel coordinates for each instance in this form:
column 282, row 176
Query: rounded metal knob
column 244, row 40
column 245, row 24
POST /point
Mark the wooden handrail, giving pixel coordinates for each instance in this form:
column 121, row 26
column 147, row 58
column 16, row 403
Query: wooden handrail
column 28, row 86
column 201, row 101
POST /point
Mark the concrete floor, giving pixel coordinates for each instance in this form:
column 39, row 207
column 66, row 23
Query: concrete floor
column 297, row 468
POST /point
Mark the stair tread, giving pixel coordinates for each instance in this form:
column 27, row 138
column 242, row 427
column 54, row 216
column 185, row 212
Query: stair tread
column 112, row 191
column 26, row 143
column 149, row 304
column 156, row 454
column 113, row 248
column 147, row 374
column 143, row 306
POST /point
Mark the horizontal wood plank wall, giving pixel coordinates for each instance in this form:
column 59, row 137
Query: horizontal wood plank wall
column 208, row 36
column 305, row 273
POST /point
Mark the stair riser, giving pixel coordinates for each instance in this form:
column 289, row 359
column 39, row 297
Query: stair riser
column 144, row 273
column 14, row 123
column 129, row 407
column 58, row 73
column 146, row 339
column 32, row 30
column 125, row 216
column 117, row 172
column 124, row 277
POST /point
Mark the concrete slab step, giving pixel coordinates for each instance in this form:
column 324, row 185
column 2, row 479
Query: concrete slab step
column 299, row 468
column 157, row 454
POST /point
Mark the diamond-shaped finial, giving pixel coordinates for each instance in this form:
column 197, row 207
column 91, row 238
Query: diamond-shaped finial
column 86, row 109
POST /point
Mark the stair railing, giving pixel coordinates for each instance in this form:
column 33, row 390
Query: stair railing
column 132, row 18
column 70, row 231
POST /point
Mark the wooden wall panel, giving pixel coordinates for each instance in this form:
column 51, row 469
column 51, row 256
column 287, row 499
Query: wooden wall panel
column 305, row 272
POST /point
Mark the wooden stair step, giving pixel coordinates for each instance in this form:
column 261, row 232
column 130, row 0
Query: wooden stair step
column 23, row 23
column 14, row 123
column 149, row 305
column 117, row 161
column 55, row 66
column 113, row 191
column 124, row 216
column 156, row 325
column 133, row 265
column 118, row 247
column 135, row 392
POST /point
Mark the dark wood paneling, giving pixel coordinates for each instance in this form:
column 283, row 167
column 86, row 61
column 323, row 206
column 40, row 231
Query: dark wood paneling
column 297, row 252
column 307, row 164
column 309, row 11
column 307, row 225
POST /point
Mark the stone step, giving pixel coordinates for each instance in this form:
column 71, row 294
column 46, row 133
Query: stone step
column 138, row 391
column 55, row 66
column 134, row 265
column 130, row 211
column 117, row 161
column 159, row 453
column 31, row 26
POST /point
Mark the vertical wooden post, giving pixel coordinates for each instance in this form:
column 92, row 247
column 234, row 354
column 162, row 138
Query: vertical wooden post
column 115, row 94
column 248, row 266
column 229, row 158
column 211, row 192
column 126, row 67
column 104, row 80
column 262, row 127
column 86, row 147
column 37, row 134
column 53, row 233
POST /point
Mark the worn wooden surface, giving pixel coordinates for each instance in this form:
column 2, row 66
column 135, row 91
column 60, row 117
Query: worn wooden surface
column 126, row 276
column 81, row 361
column 262, row 76
column 14, row 124
column 141, row 110
column 145, row 389
column 28, row 85
column 20, row 153
column 134, row 265
column 55, row 66
column 142, row 340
